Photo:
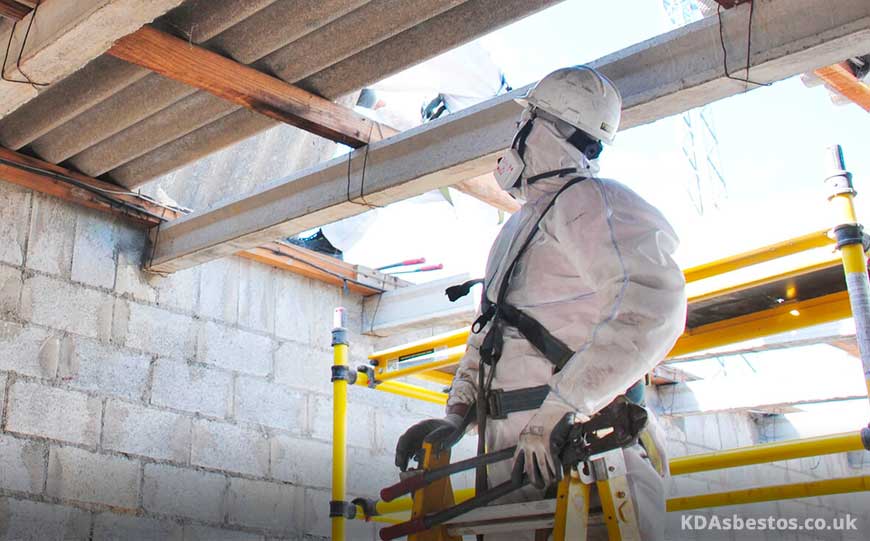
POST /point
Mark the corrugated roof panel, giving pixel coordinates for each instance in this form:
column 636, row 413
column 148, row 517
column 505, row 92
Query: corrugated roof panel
column 131, row 126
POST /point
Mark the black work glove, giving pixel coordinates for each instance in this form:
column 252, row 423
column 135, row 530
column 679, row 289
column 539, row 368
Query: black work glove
column 444, row 431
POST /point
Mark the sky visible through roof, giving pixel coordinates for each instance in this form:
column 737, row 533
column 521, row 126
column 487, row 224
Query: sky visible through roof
column 772, row 147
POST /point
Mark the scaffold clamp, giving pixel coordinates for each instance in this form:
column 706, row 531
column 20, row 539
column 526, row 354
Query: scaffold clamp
column 846, row 234
column 370, row 374
column 342, row 372
column 342, row 509
column 369, row 507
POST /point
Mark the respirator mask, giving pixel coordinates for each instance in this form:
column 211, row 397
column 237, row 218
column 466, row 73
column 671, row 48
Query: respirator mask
column 556, row 144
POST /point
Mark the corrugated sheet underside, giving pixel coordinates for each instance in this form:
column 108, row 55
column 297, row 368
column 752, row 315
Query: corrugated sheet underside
column 123, row 123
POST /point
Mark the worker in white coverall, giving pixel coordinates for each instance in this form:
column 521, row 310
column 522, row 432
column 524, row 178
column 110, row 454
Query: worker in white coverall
column 596, row 272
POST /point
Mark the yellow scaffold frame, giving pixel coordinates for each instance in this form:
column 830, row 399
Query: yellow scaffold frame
column 424, row 359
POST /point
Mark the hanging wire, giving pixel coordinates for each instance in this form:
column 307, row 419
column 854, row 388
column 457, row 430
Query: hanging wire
column 748, row 47
column 363, row 176
column 28, row 80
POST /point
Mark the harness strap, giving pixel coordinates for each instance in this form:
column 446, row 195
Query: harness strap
column 502, row 403
column 550, row 347
column 490, row 350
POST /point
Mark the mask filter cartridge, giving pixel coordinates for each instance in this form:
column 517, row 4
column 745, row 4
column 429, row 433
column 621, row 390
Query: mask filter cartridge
column 509, row 168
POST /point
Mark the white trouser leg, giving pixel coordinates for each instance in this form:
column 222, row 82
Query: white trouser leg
column 648, row 492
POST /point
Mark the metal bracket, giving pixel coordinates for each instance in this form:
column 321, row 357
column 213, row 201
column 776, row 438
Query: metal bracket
column 608, row 465
column 840, row 183
column 342, row 509
column 369, row 507
column 847, row 234
column 370, row 374
column 342, row 372
column 339, row 337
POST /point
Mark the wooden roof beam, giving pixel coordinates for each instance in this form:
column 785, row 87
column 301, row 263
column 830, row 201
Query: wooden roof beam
column 839, row 77
column 227, row 79
column 75, row 187
column 668, row 74
column 196, row 66
column 13, row 10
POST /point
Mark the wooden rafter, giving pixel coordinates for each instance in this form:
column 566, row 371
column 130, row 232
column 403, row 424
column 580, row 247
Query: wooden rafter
column 245, row 86
column 81, row 189
column 839, row 77
column 323, row 268
column 75, row 187
column 182, row 61
column 13, row 10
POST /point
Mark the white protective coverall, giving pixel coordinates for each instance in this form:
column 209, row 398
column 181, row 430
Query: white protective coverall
column 599, row 275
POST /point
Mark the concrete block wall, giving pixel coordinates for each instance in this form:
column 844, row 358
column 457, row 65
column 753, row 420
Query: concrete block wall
column 194, row 406
column 198, row 406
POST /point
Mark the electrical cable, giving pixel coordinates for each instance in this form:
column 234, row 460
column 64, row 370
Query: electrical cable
column 99, row 192
column 748, row 47
column 28, row 81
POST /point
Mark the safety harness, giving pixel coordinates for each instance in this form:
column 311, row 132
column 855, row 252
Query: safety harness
column 501, row 314
column 499, row 404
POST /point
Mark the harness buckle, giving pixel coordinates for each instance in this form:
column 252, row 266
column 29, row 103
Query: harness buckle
column 494, row 404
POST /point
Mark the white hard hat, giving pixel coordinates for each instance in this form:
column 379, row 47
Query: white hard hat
column 582, row 97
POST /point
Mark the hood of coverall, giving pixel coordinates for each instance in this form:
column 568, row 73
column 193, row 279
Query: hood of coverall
column 547, row 149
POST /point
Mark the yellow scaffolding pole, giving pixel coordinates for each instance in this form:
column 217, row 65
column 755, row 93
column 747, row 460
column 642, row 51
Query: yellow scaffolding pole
column 387, row 512
column 850, row 241
column 786, row 317
column 339, row 424
column 816, row 239
column 403, row 389
column 450, row 339
column 436, row 376
column 771, row 452
column 771, row 493
column 452, row 357
column 783, row 318
column 816, row 263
